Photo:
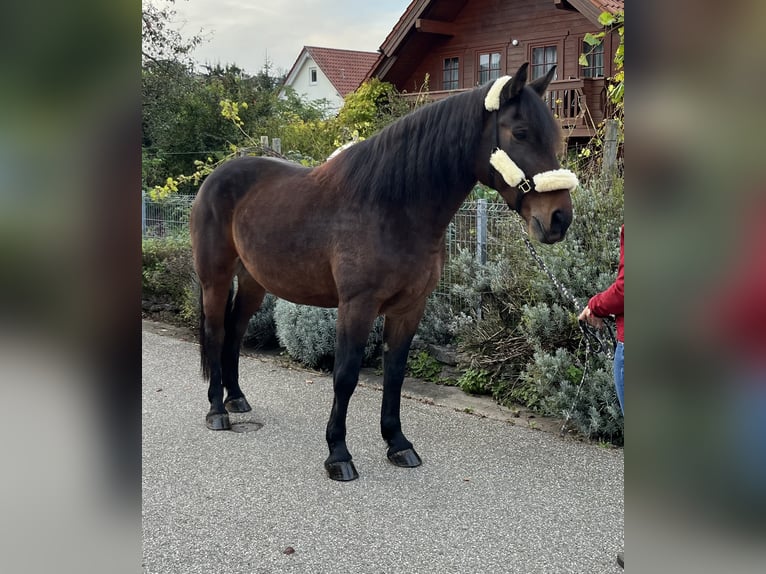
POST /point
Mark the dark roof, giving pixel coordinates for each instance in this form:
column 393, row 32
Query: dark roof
column 346, row 69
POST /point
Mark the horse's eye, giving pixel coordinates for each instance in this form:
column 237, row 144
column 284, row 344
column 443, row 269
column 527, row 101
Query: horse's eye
column 519, row 133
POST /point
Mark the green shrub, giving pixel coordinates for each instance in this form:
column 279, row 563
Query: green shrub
column 421, row 365
column 190, row 310
column 476, row 381
column 308, row 334
column 167, row 278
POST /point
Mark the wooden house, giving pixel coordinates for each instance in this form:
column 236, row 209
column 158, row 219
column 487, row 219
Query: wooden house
column 327, row 73
column 459, row 44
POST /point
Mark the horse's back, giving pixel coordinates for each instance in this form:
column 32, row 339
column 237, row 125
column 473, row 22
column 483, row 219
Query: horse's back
column 230, row 182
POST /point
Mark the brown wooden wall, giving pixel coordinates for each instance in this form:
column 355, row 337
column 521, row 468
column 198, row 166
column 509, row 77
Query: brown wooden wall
column 491, row 25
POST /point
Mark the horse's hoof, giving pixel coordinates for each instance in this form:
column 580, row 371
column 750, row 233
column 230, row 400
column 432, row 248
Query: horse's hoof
column 406, row 458
column 342, row 470
column 218, row 421
column 239, row 405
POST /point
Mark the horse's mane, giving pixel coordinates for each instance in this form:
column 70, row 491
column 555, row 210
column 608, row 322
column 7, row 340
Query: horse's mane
column 420, row 156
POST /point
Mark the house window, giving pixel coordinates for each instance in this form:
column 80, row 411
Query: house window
column 489, row 67
column 312, row 76
column 543, row 58
column 595, row 57
column 450, row 76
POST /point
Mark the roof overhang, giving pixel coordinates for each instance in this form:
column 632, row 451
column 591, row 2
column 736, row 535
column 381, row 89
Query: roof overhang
column 591, row 10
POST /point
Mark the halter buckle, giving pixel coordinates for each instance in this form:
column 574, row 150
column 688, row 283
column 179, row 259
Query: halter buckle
column 525, row 186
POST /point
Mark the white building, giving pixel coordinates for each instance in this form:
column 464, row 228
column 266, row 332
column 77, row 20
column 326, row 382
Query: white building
column 327, row 73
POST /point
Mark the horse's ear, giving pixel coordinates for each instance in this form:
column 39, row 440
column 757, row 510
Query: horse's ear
column 517, row 83
column 541, row 84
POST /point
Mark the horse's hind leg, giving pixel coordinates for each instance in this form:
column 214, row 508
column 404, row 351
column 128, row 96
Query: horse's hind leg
column 398, row 331
column 216, row 299
column 247, row 301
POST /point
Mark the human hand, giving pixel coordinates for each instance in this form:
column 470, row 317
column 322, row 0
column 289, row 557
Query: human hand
column 588, row 316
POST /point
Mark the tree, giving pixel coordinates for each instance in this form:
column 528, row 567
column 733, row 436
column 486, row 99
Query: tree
column 160, row 42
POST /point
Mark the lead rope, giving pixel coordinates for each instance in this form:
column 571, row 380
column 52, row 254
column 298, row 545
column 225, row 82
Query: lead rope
column 590, row 335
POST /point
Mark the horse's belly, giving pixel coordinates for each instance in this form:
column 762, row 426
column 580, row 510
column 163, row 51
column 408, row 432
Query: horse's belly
column 302, row 281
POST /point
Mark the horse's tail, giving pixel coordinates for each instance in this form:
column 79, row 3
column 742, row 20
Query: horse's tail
column 203, row 342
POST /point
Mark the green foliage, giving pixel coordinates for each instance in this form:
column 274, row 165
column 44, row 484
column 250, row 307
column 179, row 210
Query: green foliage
column 191, row 117
column 167, row 274
column 313, row 140
column 182, row 124
column 193, row 121
column 616, row 88
column 481, row 191
column 308, row 334
column 374, row 105
column 476, row 381
column 616, row 85
column 424, row 366
column 151, row 169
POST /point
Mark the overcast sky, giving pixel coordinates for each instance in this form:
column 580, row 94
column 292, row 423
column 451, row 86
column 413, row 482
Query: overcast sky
column 246, row 32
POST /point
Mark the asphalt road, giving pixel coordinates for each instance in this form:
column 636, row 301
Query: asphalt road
column 490, row 497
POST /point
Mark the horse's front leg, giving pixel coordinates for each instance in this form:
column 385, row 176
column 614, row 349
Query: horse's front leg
column 353, row 328
column 398, row 332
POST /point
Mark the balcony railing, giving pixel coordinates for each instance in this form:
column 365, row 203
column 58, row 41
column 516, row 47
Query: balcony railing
column 578, row 104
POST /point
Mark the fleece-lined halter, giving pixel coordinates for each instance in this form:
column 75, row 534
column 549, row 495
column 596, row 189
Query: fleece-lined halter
column 511, row 173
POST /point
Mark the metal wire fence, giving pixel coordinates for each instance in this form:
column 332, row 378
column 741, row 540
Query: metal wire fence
column 166, row 218
column 478, row 226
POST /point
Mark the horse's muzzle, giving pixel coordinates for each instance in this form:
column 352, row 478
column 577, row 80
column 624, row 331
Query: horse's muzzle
column 555, row 231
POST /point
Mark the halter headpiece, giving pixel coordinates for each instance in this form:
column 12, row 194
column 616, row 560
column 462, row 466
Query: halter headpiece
column 511, row 173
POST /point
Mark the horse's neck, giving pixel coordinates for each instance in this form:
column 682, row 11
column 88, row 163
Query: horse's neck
column 463, row 163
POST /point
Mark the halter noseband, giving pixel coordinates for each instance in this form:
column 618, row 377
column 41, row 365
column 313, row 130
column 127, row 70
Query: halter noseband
column 511, row 173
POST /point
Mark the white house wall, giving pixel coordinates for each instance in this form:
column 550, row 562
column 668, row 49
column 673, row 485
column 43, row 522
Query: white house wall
column 322, row 89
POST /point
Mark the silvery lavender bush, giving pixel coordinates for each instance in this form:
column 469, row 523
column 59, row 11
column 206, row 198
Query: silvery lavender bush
column 308, row 334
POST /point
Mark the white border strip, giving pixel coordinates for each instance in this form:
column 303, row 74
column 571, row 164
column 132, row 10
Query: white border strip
column 555, row 179
column 506, row 167
column 492, row 99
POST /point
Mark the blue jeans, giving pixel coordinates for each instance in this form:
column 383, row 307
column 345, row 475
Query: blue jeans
column 619, row 374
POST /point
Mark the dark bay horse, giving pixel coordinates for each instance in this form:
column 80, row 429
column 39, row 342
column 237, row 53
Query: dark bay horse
column 365, row 232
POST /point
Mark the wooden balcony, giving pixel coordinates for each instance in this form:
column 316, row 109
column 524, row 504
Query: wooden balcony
column 579, row 104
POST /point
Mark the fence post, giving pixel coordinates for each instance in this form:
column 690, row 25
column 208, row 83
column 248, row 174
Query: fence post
column 276, row 145
column 610, row 149
column 143, row 213
column 242, row 152
column 481, row 231
column 264, row 142
column 481, row 242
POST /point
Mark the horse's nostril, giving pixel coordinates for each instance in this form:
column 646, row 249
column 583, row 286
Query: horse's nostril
column 560, row 221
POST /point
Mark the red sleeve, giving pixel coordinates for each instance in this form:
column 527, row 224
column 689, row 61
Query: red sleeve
column 612, row 300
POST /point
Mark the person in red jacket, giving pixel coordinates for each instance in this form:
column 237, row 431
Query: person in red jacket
column 611, row 301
